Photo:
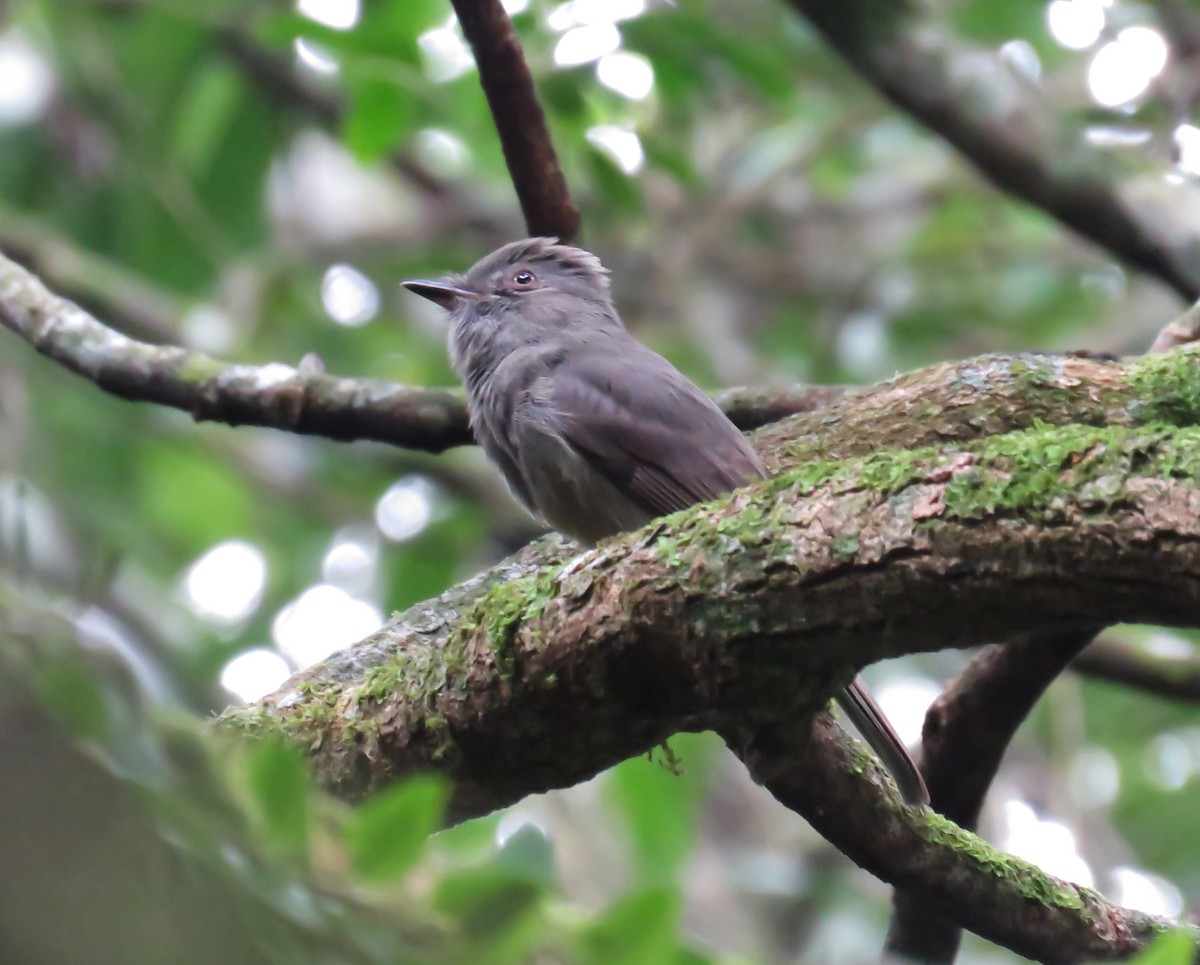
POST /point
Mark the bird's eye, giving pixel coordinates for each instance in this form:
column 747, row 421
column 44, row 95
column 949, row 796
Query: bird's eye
column 524, row 279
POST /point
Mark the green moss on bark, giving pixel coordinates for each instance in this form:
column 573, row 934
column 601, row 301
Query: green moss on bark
column 1166, row 387
column 1029, row 880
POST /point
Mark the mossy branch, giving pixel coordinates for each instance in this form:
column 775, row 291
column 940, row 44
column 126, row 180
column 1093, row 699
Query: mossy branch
column 1030, row 483
column 745, row 608
column 742, row 613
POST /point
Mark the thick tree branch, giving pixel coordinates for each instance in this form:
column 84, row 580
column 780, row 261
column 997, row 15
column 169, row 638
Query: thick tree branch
column 967, row 731
column 1000, row 128
column 520, row 122
column 741, row 614
column 777, row 592
column 280, row 396
column 751, row 611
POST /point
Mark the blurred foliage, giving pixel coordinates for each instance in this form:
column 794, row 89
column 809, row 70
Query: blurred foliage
column 190, row 180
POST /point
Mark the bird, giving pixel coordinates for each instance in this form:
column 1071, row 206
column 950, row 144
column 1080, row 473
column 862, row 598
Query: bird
column 595, row 433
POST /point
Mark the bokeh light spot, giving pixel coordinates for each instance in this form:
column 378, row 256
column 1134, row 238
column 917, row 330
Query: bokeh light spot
column 1048, row 844
column 1145, row 892
column 26, row 79
column 446, row 54
column 630, row 75
column 254, row 673
column 580, row 45
column 1123, row 70
column 322, row 620
column 1076, row 24
column 405, row 509
column 350, row 298
column 225, row 585
column 904, row 700
column 338, row 14
column 620, row 144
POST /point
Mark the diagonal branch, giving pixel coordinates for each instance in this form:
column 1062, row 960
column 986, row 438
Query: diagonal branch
column 967, row 731
column 679, row 621
column 1015, row 905
column 1117, row 662
column 520, row 122
column 1001, row 129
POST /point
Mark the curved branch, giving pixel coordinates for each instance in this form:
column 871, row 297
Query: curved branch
column 280, row 396
column 1000, row 129
column 1014, row 904
column 967, row 731
column 520, row 122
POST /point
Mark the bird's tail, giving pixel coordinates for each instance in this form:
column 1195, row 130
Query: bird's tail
column 877, row 731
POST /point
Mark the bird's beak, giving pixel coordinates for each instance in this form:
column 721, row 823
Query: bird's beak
column 448, row 296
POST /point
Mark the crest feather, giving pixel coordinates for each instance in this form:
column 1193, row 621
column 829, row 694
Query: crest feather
column 532, row 251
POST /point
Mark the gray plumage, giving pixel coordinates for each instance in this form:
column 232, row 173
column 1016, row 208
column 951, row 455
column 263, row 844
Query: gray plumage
column 595, row 433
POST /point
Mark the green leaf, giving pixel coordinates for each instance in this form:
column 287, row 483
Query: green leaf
column 616, row 188
column 659, row 808
column 488, row 901
column 192, row 500
column 1176, row 947
column 639, row 930
column 388, row 30
column 204, row 114
column 387, row 833
column 277, row 775
column 379, row 112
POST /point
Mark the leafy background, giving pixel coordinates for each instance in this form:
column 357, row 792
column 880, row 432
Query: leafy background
column 253, row 180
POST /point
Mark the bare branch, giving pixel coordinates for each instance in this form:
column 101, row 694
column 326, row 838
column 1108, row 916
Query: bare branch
column 967, row 731
column 274, row 395
column 1110, row 659
column 138, row 306
column 280, row 396
column 1001, row 129
column 520, row 122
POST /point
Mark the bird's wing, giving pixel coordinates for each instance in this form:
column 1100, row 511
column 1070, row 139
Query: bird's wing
column 647, row 429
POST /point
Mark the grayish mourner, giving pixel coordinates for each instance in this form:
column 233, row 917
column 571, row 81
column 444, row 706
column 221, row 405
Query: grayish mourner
column 595, row 433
